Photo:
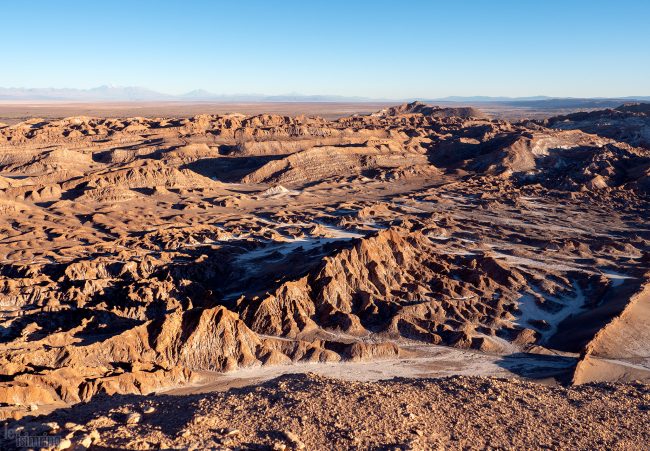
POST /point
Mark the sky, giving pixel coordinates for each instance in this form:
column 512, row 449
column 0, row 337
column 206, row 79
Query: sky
column 379, row 49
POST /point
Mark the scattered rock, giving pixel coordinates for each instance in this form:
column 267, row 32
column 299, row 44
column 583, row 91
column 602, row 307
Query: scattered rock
column 293, row 439
column 133, row 418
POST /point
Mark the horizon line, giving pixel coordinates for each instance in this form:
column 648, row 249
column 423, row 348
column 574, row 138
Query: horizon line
column 22, row 95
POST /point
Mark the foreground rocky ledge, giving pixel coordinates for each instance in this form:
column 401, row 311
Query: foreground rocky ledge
column 314, row 412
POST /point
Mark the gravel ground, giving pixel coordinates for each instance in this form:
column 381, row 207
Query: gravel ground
column 314, row 412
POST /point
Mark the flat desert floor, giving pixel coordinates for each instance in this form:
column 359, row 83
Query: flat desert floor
column 15, row 112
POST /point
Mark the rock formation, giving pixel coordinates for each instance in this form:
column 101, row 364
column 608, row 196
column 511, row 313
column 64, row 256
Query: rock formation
column 140, row 253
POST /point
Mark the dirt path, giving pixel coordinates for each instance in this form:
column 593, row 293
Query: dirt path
column 424, row 361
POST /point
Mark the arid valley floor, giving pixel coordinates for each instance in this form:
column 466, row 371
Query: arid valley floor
column 415, row 277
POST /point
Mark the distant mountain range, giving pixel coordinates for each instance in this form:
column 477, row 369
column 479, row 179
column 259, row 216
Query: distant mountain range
column 137, row 94
column 101, row 93
column 543, row 103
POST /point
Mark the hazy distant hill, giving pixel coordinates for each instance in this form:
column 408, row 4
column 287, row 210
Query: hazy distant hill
column 543, row 103
column 101, row 93
column 109, row 93
column 130, row 93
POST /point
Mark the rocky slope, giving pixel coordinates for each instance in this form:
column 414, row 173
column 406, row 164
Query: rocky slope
column 629, row 123
column 312, row 412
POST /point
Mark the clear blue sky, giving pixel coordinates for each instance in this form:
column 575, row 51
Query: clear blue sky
column 374, row 48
